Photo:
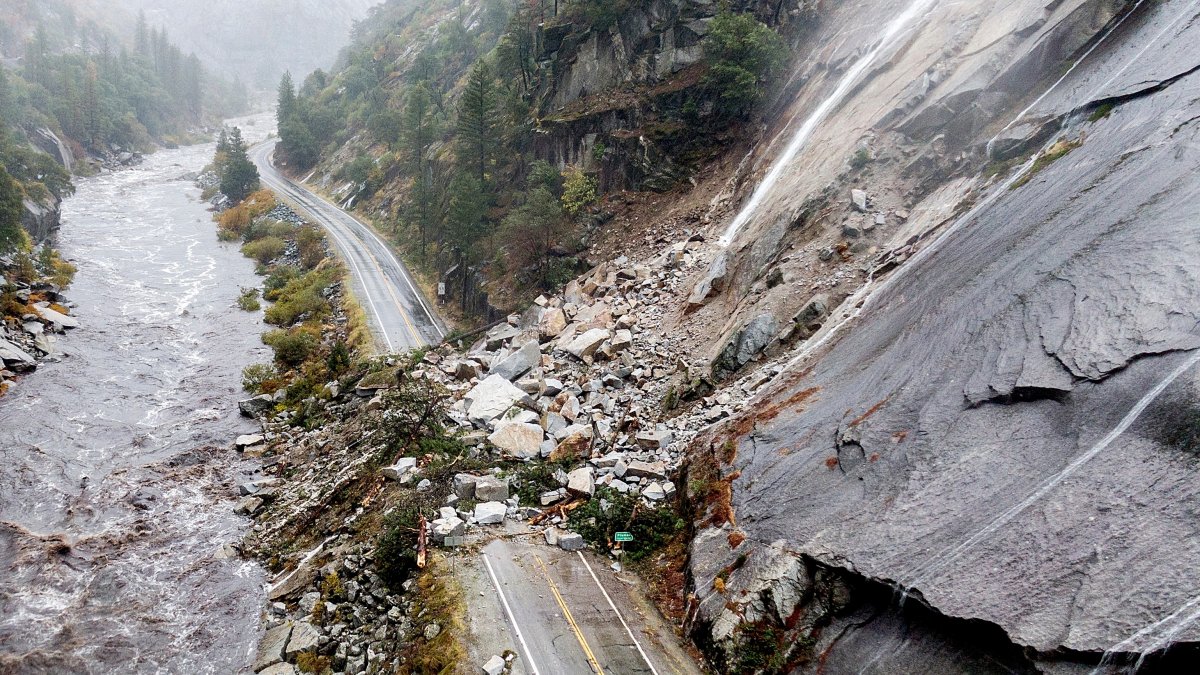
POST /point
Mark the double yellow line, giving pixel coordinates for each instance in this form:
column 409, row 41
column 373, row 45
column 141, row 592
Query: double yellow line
column 587, row 650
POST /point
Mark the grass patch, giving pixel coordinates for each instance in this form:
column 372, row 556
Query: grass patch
column 438, row 599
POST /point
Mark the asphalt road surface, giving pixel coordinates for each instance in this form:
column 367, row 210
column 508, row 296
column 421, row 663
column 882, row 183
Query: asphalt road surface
column 400, row 316
column 569, row 614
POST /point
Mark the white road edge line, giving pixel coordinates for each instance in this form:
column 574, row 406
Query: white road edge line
column 618, row 613
column 362, row 279
column 433, row 320
column 512, row 619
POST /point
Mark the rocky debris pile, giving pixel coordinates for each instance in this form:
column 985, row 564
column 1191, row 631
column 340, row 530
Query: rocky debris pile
column 334, row 610
column 32, row 337
column 284, row 213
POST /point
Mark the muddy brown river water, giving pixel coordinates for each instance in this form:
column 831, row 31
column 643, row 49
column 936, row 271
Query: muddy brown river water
column 116, row 481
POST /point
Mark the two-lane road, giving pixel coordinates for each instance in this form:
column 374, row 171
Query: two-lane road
column 400, row 316
column 567, row 616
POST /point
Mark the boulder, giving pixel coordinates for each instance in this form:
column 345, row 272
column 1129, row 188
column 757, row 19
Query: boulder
column 490, row 513
column 15, row 358
column 279, row 669
column 647, row 469
column 491, row 489
column 581, row 481
column 304, row 637
column 499, row 335
column 622, row 340
column 552, row 323
column 54, row 317
column 467, row 369
column 519, row 362
column 494, row 666
column 571, row 541
column 254, row 407
column 519, row 439
column 655, row 439
column 654, row 492
column 270, row 648
column 584, row 346
column 464, row 485
column 247, row 440
column 452, row 526
column 744, row 345
column 576, row 442
column 858, row 199
column 490, row 399
column 402, row 470
column 712, row 283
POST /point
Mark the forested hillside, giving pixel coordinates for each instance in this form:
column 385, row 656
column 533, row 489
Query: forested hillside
column 484, row 134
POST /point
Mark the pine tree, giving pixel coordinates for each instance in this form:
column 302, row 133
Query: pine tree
column 142, row 36
column 465, row 223
column 418, row 134
column 287, row 99
column 239, row 177
column 477, row 123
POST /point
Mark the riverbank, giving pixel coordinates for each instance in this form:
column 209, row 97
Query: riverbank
column 34, row 312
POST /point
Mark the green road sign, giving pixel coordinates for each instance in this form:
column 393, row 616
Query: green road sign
column 623, row 536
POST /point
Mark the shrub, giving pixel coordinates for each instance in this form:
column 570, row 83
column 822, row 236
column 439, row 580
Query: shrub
column 256, row 376
column 338, row 360
column 652, row 527
column 292, row 347
column 860, row 159
column 579, row 191
column 248, row 300
column 302, row 298
column 310, row 243
column 278, row 278
column 265, row 250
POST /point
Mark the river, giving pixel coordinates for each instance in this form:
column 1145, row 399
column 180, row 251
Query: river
column 116, row 473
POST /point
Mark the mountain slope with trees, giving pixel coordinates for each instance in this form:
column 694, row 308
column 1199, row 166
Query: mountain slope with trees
column 484, row 135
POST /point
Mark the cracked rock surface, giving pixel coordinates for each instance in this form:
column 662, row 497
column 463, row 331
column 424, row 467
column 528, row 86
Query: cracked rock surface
column 977, row 393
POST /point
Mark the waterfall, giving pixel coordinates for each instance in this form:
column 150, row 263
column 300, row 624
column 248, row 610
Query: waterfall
column 65, row 155
column 1021, row 115
column 800, row 138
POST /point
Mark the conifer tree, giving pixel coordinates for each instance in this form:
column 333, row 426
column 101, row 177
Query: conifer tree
column 239, row 177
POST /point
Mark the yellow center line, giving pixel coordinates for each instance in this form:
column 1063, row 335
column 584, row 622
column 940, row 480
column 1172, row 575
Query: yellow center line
column 412, row 330
column 570, row 619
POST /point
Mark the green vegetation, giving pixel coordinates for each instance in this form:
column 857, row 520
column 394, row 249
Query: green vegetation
column 860, row 159
column 248, row 300
column 239, row 176
column 303, row 298
column 1056, row 152
column 579, row 191
column 11, row 233
column 1101, row 112
column 742, row 53
column 257, row 378
column 652, row 527
column 444, row 126
column 79, row 81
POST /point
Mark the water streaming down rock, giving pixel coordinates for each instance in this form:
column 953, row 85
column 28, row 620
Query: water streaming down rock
column 978, row 388
column 891, row 35
column 115, row 485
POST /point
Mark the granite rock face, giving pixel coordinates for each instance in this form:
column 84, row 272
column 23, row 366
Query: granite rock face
column 1004, row 425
